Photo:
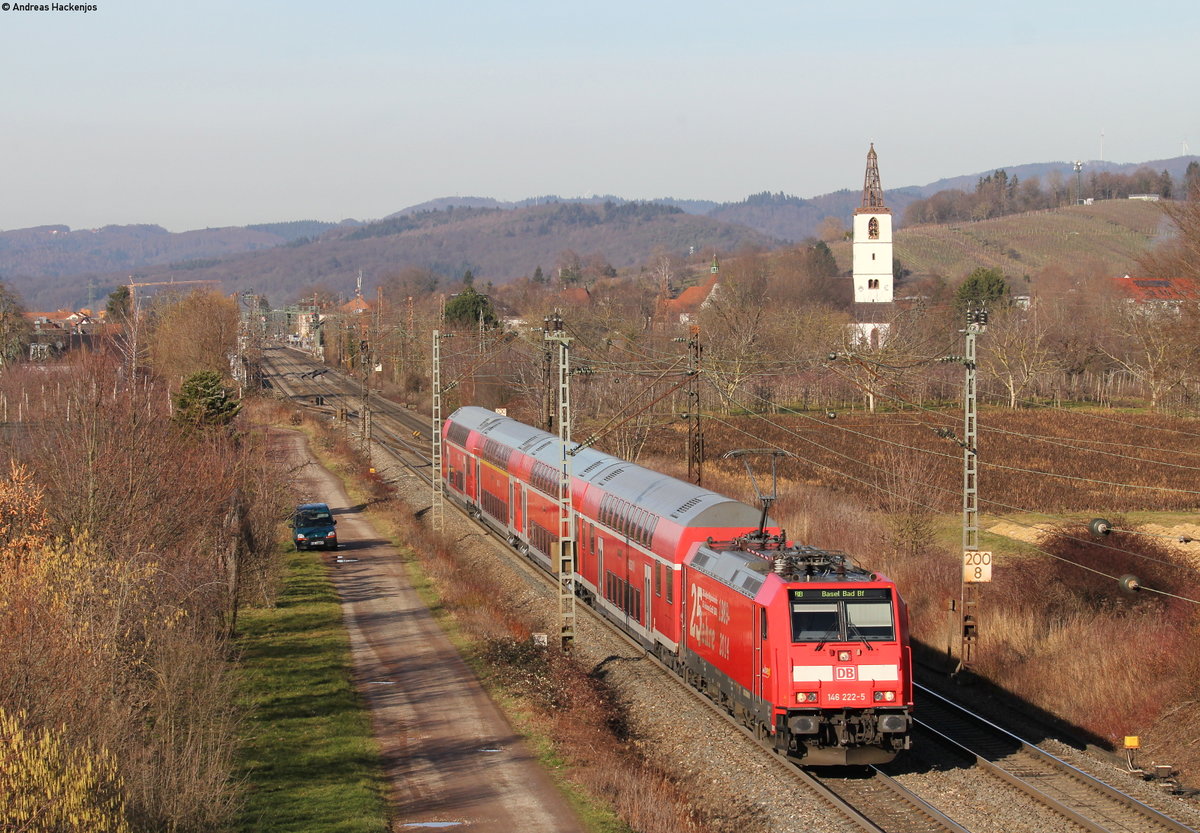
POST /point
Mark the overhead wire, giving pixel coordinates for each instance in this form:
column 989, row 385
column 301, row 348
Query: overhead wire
column 645, row 359
column 835, row 452
column 817, row 463
column 935, row 487
column 1040, row 438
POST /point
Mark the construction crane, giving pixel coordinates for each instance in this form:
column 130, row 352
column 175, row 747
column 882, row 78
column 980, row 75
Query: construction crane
column 133, row 287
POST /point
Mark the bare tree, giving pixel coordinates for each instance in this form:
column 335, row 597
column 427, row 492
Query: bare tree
column 734, row 320
column 1016, row 351
column 1179, row 257
column 1155, row 345
column 14, row 329
column 193, row 333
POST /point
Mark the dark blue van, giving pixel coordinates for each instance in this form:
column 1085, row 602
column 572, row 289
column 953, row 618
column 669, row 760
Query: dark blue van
column 313, row 526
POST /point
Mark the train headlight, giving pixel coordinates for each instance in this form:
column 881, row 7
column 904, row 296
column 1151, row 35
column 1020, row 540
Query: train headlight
column 843, row 656
column 885, row 697
column 806, row 697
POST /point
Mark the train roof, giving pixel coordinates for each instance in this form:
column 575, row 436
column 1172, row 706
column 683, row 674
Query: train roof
column 743, row 571
column 746, row 570
column 685, row 503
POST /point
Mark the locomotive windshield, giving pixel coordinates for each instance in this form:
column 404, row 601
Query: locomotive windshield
column 871, row 621
column 814, row 621
column 842, row 615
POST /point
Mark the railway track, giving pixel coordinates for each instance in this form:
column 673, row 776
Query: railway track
column 1075, row 796
column 866, row 798
column 874, row 802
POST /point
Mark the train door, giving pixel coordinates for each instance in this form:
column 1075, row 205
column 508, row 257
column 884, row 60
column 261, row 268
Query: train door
column 759, row 642
column 511, row 507
column 648, row 596
column 601, row 576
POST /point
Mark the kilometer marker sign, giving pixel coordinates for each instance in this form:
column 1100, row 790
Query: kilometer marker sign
column 977, row 566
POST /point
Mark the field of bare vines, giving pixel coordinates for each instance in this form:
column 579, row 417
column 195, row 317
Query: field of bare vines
column 1035, row 460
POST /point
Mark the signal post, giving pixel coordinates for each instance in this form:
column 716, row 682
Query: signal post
column 976, row 565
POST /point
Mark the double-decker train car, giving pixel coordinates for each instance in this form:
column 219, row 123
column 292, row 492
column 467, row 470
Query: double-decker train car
column 803, row 646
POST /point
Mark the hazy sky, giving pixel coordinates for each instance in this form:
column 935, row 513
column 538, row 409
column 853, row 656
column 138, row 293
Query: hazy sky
column 221, row 113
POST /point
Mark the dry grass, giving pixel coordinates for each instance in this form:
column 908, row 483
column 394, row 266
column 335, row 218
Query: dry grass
column 1069, row 642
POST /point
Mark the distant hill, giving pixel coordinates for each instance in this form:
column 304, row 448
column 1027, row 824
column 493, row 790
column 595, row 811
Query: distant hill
column 54, row 265
column 54, row 251
column 690, row 206
column 1110, row 234
column 497, row 245
column 782, row 216
column 794, row 219
column 1174, row 166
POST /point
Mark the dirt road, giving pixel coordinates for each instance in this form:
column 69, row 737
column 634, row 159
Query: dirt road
column 451, row 758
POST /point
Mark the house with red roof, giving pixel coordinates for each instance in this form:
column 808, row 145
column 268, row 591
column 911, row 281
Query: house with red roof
column 683, row 307
column 1157, row 291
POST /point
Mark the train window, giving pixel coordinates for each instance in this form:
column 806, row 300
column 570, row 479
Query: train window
column 657, row 579
column 871, row 621
column 671, row 586
column 762, row 618
column 815, row 622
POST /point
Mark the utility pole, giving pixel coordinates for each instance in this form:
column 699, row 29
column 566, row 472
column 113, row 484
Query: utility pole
column 364, row 412
column 977, row 566
column 548, row 404
column 695, row 434
column 564, row 551
column 438, row 505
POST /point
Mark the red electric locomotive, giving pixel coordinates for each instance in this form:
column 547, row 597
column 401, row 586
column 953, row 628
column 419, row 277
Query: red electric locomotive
column 802, row 645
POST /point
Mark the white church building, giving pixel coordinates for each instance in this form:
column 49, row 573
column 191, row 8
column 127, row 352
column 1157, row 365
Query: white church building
column 872, row 258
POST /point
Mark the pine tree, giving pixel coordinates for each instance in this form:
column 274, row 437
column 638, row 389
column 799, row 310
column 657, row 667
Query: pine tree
column 203, row 400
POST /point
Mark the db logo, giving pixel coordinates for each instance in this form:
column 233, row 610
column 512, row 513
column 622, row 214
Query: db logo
column 845, row 672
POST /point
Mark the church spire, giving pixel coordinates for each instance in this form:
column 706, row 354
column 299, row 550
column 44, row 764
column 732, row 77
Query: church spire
column 872, row 199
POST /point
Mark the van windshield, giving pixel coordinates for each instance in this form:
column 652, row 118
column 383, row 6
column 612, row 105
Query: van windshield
column 313, row 518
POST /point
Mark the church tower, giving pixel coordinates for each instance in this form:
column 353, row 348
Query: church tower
column 872, row 252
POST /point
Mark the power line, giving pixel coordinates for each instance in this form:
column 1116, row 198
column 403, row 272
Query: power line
column 909, row 498
column 1079, row 448
column 818, row 464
